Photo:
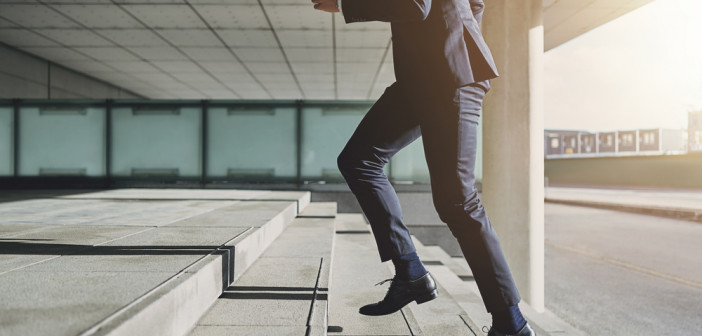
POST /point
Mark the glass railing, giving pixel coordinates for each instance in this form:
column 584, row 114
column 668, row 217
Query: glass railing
column 210, row 141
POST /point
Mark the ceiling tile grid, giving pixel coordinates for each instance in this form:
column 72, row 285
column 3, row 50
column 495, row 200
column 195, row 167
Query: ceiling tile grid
column 166, row 16
column 20, row 37
column 233, row 48
column 98, row 15
column 233, row 16
column 35, row 16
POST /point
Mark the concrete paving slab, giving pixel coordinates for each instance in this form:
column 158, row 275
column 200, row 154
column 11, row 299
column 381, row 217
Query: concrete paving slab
column 212, row 330
column 351, row 222
column 35, row 246
column 305, row 237
column 176, row 304
column 463, row 294
column 10, row 230
column 240, row 214
column 179, row 238
column 259, row 309
column 281, row 273
column 172, row 274
column 108, row 212
column 302, row 197
column 319, row 210
column 122, row 260
column 441, row 316
column 355, row 270
column 170, row 194
column 66, row 303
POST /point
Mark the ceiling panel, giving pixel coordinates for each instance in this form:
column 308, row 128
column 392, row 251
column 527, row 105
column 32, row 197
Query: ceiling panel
column 87, row 66
column 75, row 37
column 305, row 38
column 240, row 81
column 312, row 68
column 373, row 55
column 6, row 24
column 223, row 67
column 133, row 37
column 24, row 38
column 99, row 15
column 254, row 94
column 35, row 16
column 190, row 37
column 56, row 53
column 298, row 17
column 260, row 55
column 360, row 38
column 248, row 37
column 302, row 54
column 177, row 66
column 209, row 54
column 233, row 16
column 159, row 53
column 268, row 67
column 166, row 16
column 108, row 54
column 132, row 67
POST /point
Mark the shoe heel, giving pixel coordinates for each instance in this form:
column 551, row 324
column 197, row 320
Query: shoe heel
column 431, row 296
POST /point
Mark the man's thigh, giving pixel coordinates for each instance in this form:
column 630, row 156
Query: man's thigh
column 449, row 126
column 389, row 126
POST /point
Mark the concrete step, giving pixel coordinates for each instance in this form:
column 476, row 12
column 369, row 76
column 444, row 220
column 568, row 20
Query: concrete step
column 356, row 269
column 89, row 275
column 455, row 275
column 285, row 292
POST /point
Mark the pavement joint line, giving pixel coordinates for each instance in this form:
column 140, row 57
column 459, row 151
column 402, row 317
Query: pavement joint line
column 467, row 325
column 117, row 313
column 75, row 252
column 626, row 265
column 409, row 327
column 314, row 294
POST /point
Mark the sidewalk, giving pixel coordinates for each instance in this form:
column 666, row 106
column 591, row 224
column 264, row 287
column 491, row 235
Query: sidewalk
column 668, row 203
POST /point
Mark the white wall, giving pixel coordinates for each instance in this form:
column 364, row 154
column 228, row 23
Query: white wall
column 26, row 76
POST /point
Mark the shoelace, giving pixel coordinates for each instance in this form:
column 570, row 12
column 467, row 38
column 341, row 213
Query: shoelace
column 384, row 281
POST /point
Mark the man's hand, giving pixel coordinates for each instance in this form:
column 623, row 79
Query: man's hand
column 326, row 5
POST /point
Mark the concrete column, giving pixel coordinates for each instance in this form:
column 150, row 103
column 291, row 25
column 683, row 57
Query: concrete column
column 513, row 135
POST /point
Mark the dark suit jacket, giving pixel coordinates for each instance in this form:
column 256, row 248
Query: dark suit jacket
column 435, row 42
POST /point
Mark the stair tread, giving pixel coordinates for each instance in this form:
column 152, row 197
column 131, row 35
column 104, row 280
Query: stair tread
column 355, row 270
column 281, row 287
column 319, row 210
column 91, row 264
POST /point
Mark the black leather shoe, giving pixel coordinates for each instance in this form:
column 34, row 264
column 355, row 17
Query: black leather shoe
column 525, row 331
column 402, row 292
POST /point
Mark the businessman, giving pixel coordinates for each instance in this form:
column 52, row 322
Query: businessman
column 443, row 69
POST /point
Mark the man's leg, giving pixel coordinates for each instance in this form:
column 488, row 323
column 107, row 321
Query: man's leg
column 449, row 126
column 387, row 127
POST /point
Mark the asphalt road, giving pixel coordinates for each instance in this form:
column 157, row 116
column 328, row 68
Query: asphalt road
column 616, row 273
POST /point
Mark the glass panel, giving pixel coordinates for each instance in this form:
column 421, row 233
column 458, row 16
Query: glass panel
column 325, row 131
column 410, row 164
column 62, row 140
column 156, row 141
column 6, row 135
column 255, row 143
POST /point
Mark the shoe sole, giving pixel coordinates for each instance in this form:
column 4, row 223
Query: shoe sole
column 431, row 296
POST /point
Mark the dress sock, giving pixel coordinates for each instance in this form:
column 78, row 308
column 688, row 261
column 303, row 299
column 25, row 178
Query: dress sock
column 508, row 322
column 408, row 267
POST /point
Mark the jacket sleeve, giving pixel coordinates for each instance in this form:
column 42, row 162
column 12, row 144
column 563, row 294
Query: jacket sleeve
column 477, row 7
column 385, row 10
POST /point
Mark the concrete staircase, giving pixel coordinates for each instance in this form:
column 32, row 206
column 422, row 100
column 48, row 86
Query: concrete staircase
column 214, row 262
